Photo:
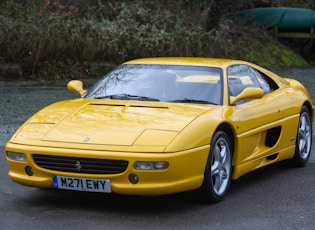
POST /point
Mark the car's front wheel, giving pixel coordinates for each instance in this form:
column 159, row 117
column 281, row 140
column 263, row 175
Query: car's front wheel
column 218, row 170
column 303, row 138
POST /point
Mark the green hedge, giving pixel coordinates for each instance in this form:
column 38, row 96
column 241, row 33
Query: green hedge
column 52, row 39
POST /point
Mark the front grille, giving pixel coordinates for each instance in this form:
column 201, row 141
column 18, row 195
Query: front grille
column 80, row 165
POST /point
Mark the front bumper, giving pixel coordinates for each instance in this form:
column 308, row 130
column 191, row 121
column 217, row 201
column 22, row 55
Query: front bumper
column 185, row 171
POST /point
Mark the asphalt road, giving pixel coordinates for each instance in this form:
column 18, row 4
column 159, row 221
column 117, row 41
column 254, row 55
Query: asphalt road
column 276, row 197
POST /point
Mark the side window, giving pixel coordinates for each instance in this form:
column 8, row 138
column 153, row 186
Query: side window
column 267, row 84
column 243, row 76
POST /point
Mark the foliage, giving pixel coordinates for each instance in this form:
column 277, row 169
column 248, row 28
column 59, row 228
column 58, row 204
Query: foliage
column 76, row 37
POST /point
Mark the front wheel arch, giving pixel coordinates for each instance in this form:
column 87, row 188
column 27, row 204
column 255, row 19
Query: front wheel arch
column 229, row 132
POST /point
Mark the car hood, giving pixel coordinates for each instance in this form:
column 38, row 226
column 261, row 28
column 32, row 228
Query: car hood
column 116, row 123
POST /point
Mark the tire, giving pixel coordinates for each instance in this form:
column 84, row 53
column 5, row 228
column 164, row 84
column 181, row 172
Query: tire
column 218, row 169
column 303, row 143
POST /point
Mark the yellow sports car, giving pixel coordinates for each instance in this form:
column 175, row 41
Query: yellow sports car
column 156, row 126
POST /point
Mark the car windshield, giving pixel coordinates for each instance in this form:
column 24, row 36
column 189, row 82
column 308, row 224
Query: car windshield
column 167, row 83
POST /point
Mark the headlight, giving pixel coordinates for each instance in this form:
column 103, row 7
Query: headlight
column 145, row 165
column 17, row 156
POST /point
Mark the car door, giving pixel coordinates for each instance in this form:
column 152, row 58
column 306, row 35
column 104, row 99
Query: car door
column 258, row 126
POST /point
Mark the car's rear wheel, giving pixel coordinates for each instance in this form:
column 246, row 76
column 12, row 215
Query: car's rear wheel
column 303, row 138
column 218, row 170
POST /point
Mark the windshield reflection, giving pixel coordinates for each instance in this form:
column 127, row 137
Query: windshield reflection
column 167, row 83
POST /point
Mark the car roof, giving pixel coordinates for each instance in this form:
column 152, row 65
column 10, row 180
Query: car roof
column 194, row 61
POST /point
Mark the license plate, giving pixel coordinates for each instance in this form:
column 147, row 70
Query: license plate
column 82, row 184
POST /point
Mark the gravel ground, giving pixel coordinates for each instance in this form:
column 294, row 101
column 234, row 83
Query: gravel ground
column 22, row 99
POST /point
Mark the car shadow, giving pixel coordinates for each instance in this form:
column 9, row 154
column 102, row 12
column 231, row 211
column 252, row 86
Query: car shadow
column 113, row 203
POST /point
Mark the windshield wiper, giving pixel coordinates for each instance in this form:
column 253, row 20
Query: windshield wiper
column 188, row 100
column 126, row 96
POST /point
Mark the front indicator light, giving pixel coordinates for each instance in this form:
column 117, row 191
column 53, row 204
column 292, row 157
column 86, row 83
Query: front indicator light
column 145, row 165
column 17, row 156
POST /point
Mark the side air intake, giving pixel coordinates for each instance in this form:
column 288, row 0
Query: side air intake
column 273, row 136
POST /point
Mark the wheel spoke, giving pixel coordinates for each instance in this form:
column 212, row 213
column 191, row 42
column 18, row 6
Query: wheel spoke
column 224, row 174
column 217, row 154
column 223, row 154
column 218, row 182
column 215, row 168
column 302, row 144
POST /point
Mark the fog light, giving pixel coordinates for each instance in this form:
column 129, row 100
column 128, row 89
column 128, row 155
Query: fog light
column 29, row 171
column 146, row 165
column 133, row 178
column 17, row 156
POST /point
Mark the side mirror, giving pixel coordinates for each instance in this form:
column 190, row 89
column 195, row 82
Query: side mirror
column 248, row 94
column 76, row 87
